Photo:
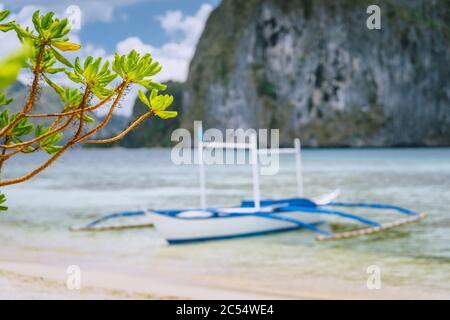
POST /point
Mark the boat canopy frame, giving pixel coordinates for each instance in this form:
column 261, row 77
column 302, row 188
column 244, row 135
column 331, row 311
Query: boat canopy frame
column 252, row 146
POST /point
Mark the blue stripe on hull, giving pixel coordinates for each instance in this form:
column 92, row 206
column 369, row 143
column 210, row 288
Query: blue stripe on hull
column 235, row 236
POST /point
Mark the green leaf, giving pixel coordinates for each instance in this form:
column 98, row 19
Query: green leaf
column 48, row 143
column 54, row 70
column 22, row 128
column 36, row 21
column 159, row 104
column 3, row 100
column 137, row 69
column 2, row 201
column 149, row 85
column 7, row 26
column 38, row 131
column 143, row 98
column 88, row 118
column 153, row 94
column 66, row 46
column 59, row 90
column 4, row 14
column 21, row 33
column 88, row 61
column 61, row 58
column 78, row 68
column 11, row 66
column 47, row 20
column 102, row 93
column 52, row 149
column 74, row 77
column 167, row 114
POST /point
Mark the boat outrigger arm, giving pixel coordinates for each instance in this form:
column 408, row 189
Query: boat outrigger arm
column 96, row 225
column 323, row 206
column 304, row 205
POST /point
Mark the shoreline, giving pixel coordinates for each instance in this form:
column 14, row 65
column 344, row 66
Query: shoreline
column 46, row 280
column 34, row 280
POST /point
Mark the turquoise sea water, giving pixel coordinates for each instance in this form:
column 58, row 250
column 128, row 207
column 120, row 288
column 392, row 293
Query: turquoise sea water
column 85, row 184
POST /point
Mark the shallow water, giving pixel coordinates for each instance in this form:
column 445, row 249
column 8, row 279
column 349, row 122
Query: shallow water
column 86, row 184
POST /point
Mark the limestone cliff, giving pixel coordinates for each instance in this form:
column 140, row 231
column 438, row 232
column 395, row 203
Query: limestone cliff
column 312, row 69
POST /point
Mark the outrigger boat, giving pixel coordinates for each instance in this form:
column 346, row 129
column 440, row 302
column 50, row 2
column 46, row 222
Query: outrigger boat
column 260, row 217
column 257, row 217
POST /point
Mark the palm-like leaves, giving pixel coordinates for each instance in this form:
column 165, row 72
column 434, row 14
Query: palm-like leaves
column 51, row 34
column 7, row 26
column 72, row 99
column 133, row 68
column 158, row 104
column 47, row 62
column 48, row 143
column 22, row 128
column 94, row 75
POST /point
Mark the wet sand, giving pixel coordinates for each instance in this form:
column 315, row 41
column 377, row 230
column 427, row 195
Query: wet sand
column 24, row 279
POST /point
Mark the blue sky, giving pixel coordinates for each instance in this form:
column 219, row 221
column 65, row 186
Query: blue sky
column 168, row 29
column 129, row 17
column 140, row 20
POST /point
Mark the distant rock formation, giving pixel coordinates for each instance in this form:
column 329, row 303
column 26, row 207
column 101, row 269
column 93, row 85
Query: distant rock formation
column 312, row 69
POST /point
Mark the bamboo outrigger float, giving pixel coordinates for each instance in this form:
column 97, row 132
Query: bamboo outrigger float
column 258, row 217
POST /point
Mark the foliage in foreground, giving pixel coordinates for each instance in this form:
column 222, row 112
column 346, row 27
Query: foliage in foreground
column 93, row 79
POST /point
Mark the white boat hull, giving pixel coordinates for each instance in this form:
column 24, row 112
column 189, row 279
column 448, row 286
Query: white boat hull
column 182, row 230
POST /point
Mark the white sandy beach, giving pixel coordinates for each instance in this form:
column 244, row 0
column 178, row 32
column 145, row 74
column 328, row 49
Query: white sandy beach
column 35, row 280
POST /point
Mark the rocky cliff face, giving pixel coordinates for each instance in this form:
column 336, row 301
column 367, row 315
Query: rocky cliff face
column 312, row 69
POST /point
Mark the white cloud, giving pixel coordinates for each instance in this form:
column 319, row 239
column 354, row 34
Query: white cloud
column 173, row 58
column 175, row 55
column 9, row 40
column 91, row 10
column 191, row 27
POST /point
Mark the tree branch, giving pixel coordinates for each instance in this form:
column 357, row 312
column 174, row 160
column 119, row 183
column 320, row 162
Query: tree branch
column 58, row 154
column 68, row 113
column 105, row 121
column 123, row 133
column 31, row 98
column 45, row 135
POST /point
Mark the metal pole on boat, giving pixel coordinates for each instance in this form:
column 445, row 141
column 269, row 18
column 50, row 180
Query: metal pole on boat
column 298, row 164
column 201, row 166
column 255, row 167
